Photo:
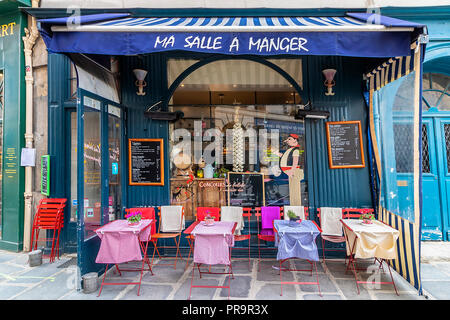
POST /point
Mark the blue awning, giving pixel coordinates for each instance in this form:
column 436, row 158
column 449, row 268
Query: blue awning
column 359, row 35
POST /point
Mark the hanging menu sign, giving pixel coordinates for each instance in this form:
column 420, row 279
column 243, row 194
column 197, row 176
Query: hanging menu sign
column 245, row 189
column 146, row 162
column 345, row 148
column 45, row 175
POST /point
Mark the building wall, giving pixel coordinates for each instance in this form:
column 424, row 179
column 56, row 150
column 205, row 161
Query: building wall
column 40, row 114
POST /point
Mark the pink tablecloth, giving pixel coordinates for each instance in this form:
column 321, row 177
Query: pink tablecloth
column 212, row 243
column 120, row 242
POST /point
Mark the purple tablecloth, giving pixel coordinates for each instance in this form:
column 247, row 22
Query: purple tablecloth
column 212, row 243
column 296, row 240
column 120, row 242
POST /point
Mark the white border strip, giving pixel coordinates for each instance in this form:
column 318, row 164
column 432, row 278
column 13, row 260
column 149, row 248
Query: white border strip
column 118, row 28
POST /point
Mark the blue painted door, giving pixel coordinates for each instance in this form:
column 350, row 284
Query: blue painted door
column 436, row 178
column 431, row 195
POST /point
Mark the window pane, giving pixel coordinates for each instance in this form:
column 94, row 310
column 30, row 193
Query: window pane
column 92, row 172
column 115, row 192
column 211, row 141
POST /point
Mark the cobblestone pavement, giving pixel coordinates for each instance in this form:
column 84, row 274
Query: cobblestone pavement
column 57, row 281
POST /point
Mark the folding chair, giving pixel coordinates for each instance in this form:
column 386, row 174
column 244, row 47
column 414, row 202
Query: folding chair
column 347, row 213
column 330, row 238
column 264, row 237
column 200, row 215
column 49, row 216
column 168, row 235
column 246, row 213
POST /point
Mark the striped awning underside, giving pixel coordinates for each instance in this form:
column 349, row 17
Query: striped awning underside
column 242, row 24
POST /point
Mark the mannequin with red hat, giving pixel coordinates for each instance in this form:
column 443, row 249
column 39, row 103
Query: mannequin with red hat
column 290, row 164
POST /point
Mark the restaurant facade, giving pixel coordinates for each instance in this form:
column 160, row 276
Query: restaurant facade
column 255, row 107
column 12, row 123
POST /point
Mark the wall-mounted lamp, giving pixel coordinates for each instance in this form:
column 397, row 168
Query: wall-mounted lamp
column 140, row 83
column 312, row 114
column 329, row 82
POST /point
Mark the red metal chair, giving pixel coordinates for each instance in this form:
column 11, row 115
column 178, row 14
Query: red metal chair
column 347, row 213
column 167, row 235
column 200, row 215
column 49, row 216
column 246, row 213
column 263, row 237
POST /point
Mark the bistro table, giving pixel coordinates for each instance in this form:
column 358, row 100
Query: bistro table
column 364, row 241
column 212, row 245
column 120, row 243
column 297, row 240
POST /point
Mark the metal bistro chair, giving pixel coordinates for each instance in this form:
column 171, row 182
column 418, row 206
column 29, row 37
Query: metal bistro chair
column 49, row 216
column 347, row 213
column 246, row 213
column 263, row 237
column 167, row 235
column 200, row 215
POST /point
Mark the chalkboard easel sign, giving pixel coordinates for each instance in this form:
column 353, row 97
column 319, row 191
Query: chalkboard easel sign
column 345, row 146
column 146, row 162
column 45, row 175
column 246, row 189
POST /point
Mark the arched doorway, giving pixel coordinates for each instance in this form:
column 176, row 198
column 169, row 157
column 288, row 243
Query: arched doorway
column 239, row 116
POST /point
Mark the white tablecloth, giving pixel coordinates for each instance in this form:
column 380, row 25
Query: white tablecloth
column 377, row 240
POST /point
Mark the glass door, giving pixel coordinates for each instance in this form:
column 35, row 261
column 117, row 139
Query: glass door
column 99, row 192
column 92, row 165
column 114, row 171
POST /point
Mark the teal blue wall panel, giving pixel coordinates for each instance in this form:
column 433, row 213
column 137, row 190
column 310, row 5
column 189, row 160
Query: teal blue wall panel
column 336, row 187
column 138, row 126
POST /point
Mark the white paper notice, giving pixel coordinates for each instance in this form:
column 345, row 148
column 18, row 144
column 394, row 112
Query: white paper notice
column 28, row 157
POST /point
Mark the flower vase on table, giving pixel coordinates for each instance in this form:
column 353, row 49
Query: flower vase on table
column 209, row 220
column 133, row 218
column 367, row 218
column 293, row 217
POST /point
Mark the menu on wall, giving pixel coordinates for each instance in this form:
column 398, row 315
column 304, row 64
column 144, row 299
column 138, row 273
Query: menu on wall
column 345, row 148
column 146, row 162
column 45, row 175
column 245, row 189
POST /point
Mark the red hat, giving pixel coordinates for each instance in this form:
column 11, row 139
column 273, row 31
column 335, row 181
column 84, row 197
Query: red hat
column 293, row 135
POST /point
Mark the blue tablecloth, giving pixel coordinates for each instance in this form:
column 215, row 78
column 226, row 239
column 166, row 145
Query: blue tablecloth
column 296, row 240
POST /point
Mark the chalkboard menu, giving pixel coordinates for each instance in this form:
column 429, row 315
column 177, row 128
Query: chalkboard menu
column 245, row 189
column 45, row 175
column 345, row 148
column 146, row 162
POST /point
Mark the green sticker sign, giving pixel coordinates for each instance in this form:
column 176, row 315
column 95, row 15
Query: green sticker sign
column 45, row 175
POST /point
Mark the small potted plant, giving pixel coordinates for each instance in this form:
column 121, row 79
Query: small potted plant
column 293, row 216
column 367, row 218
column 133, row 218
column 209, row 219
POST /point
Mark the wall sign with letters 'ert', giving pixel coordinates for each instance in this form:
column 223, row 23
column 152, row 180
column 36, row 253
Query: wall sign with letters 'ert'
column 345, row 147
column 146, row 162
